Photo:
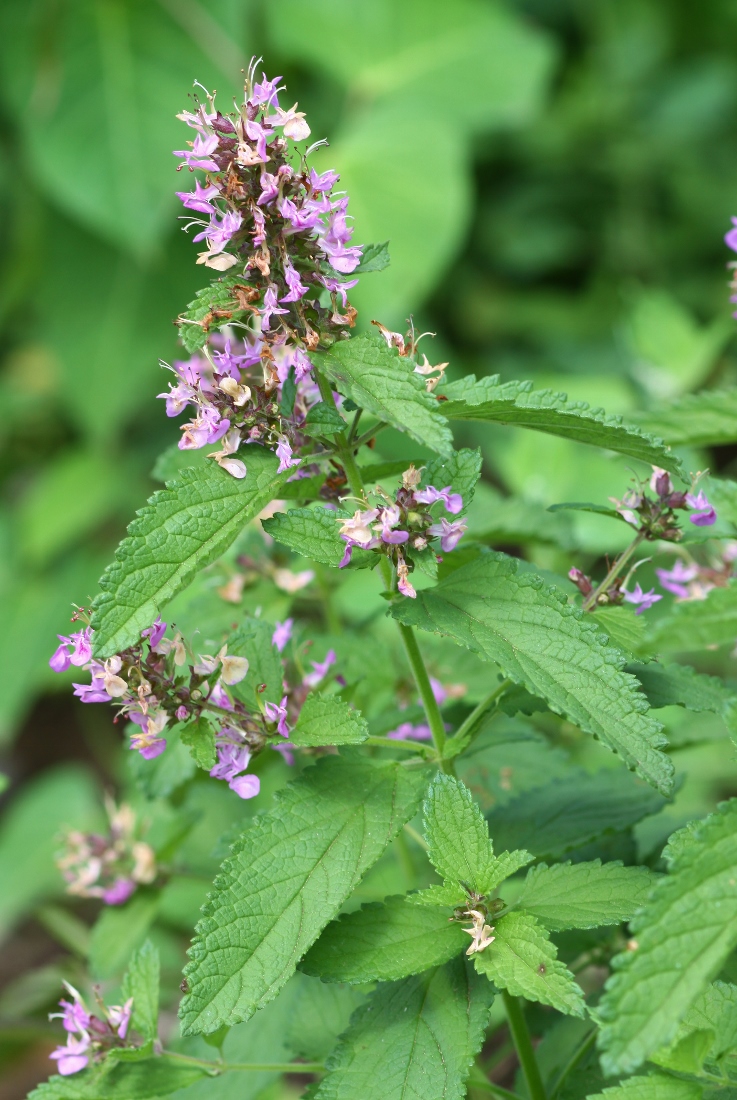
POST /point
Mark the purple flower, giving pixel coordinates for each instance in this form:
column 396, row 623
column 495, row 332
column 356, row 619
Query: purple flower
column 408, row 731
column 119, row 892
column 312, row 679
column 245, row 786
column 282, row 634
column 449, row 533
column 266, row 93
column 641, row 600
column 300, row 218
column 119, row 1017
column 199, row 155
column 255, row 131
column 60, row 659
column 218, row 233
column 149, row 748
column 206, row 428
column 336, row 287
column 278, row 714
column 72, row 1057
column 731, row 238
column 75, row 1016
column 284, row 454
column 704, row 513
column 93, row 692
column 323, row 182
column 182, row 714
column 675, row 580
column 389, row 517
column 219, row 697
column 228, row 363
column 296, row 289
column 154, row 633
column 438, row 691
column 430, row 495
column 178, row 397
column 271, row 307
column 199, row 199
column 231, row 760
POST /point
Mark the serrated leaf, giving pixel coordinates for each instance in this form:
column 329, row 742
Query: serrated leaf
column 461, row 471
column 328, row 720
column 516, row 403
column 312, row 532
column 669, row 685
column 572, row 812
column 683, row 935
column 656, row 1086
column 252, row 639
column 374, row 257
column 685, row 1055
column 625, row 630
column 543, row 643
column 323, row 419
column 182, row 529
column 523, row 961
column 287, row 876
column 321, row 1014
column 457, row 835
column 414, row 1039
column 141, row 982
column 715, row 1010
column 144, row 1080
column 197, row 320
column 584, row 895
column 199, row 737
column 383, row 383
column 697, row 624
column 448, row 895
column 700, row 419
column 384, row 942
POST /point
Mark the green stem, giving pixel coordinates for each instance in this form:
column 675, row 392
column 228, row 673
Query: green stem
column 354, row 426
column 416, row 836
column 390, row 743
column 429, row 703
column 523, row 1046
column 576, row 1058
column 370, row 434
column 478, row 1080
column 256, row 1067
column 479, row 711
column 619, row 564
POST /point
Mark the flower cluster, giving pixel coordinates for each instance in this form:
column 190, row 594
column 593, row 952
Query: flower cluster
column 654, row 517
column 286, row 231
column 160, row 681
column 688, row 579
column 615, row 593
column 89, row 1036
column 108, row 867
column 405, row 527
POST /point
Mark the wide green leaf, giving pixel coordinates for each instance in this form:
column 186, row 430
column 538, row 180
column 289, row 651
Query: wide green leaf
column 380, row 381
column 312, row 532
column 141, row 982
column 540, row 641
column 287, row 876
column 697, row 419
column 571, row 812
column 182, row 529
column 144, row 1080
column 697, row 624
column 584, row 895
column 374, row 257
column 516, row 403
column 327, row 720
column 384, row 943
column 715, row 1011
column 523, row 961
column 682, row 936
column 414, row 1038
column 461, row 471
column 656, row 1086
column 667, row 685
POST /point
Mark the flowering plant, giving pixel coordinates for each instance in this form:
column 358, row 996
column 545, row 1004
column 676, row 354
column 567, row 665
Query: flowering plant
column 344, row 752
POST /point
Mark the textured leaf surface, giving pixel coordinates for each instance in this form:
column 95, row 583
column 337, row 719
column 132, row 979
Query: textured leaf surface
column 457, row 835
column 668, row 685
column 714, row 1010
column 541, row 642
column 523, row 961
column 656, row 1086
column 141, row 982
column 414, row 1039
column 383, row 383
column 144, row 1080
column 375, row 257
column 288, row 875
column 573, row 811
column 700, row 418
column 696, row 624
column 584, row 895
column 461, row 471
column 199, row 737
column 312, row 532
column 684, row 934
column 327, row 720
column 544, row 411
column 384, row 943
column 181, row 529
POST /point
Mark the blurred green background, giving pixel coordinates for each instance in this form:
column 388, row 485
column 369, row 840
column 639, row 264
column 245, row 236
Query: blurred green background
column 554, row 178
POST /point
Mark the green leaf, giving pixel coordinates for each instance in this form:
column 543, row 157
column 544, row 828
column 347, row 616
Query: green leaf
column 461, row 471
column 656, row 1086
column 584, row 895
column 700, row 419
column 320, row 1016
column 458, row 838
column 543, row 643
column 683, row 935
column 182, row 529
column 375, row 257
column 199, row 737
column 118, row 931
column 685, row 1055
column 523, row 961
column 715, row 1010
column 414, row 1038
column 312, row 532
column 252, row 639
column 697, row 624
column 323, row 419
column 287, row 876
column 572, row 812
column 669, row 685
column 383, row 383
column 158, row 778
column 384, row 943
column 327, row 720
column 146, row 1080
column 448, row 895
column 516, row 403
column 197, row 320
column 624, row 629
column 141, row 982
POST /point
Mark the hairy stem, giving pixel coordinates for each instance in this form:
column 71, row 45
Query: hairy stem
column 523, row 1046
column 619, row 564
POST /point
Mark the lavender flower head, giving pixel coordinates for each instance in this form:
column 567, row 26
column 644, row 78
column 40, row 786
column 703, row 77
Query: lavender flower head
column 89, row 1036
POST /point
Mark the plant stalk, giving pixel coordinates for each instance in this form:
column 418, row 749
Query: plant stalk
column 619, row 564
column 256, row 1067
column 523, row 1046
column 478, row 712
